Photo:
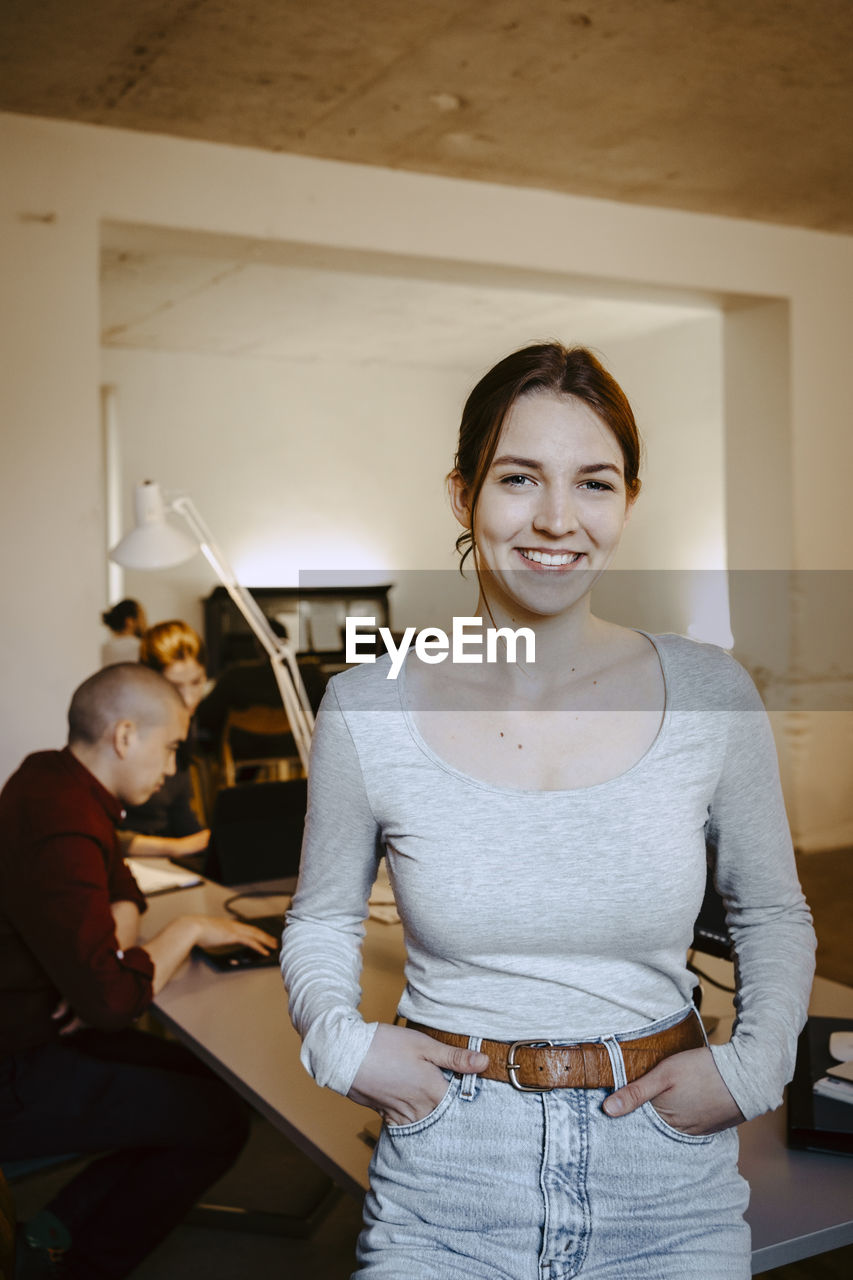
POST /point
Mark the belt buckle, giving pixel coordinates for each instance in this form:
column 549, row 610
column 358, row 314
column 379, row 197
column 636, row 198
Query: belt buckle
column 513, row 1067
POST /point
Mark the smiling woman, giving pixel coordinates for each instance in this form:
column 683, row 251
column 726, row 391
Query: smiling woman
column 543, row 368
column 594, row 780
column 558, row 509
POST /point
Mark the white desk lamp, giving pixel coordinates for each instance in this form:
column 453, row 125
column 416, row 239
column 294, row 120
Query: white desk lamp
column 155, row 543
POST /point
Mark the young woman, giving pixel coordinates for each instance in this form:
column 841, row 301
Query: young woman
column 166, row 826
column 552, row 1108
column 126, row 621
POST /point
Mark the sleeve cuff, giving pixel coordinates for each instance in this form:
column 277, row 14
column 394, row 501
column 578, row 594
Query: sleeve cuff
column 751, row 1101
column 137, row 959
column 333, row 1054
column 127, row 890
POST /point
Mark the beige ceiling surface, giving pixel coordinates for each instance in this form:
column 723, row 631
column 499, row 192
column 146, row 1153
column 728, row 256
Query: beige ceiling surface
column 177, row 291
column 737, row 107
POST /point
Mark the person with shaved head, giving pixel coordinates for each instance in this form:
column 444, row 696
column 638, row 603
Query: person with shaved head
column 123, row 691
column 75, row 1075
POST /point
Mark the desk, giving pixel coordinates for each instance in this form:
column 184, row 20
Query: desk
column 802, row 1202
column 238, row 1023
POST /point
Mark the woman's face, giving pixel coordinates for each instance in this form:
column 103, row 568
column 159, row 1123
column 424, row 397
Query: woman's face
column 189, row 678
column 552, row 507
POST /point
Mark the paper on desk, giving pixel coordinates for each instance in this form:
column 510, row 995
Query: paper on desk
column 159, row 877
column 840, row 1090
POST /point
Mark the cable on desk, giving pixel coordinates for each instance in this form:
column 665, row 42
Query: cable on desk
column 700, row 973
column 260, row 895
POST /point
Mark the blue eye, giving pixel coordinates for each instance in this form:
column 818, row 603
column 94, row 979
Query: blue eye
column 516, row 482
column 597, row 486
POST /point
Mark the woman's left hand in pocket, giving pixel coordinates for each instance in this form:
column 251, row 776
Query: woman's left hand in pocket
column 686, row 1090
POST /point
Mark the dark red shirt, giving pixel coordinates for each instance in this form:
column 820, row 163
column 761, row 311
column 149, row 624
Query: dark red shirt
column 60, row 869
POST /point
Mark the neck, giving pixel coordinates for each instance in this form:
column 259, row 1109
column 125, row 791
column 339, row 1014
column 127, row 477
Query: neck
column 91, row 756
column 563, row 642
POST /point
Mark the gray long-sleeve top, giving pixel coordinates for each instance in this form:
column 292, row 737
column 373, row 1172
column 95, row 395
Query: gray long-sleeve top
column 563, row 915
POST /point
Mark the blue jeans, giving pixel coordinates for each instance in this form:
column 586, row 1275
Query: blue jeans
column 500, row 1185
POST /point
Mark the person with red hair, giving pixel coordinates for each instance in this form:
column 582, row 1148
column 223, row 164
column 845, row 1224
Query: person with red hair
column 167, row 825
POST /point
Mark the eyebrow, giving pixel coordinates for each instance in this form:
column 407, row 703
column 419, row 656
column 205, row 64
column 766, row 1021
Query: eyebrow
column 599, row 466
column 532, row 465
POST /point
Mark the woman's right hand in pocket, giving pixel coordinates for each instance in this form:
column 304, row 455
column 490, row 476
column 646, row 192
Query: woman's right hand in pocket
column 401, row 1075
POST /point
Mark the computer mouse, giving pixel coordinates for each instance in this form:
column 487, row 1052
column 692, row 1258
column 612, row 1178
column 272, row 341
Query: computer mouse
column 841, row 1046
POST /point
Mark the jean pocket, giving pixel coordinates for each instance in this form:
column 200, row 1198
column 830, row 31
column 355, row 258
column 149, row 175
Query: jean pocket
column 678, row 1135
column 432, row 1117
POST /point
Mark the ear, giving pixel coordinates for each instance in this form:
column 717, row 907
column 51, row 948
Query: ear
column 629, row 507
column 123, row 737
column 459, row 499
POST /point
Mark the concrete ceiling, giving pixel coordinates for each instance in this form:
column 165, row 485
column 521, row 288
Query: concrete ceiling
column 734, row 107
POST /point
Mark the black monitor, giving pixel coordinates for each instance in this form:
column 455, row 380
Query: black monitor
column 256, row 832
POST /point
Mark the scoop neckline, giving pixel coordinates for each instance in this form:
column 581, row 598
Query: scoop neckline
column 421, row 743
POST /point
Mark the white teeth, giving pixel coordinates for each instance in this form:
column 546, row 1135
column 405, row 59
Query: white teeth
column 552, row 561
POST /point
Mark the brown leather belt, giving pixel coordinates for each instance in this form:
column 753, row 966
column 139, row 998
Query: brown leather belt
column 533, row 1066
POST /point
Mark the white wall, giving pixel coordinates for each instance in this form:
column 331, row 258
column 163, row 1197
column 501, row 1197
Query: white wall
column 335, row 466
column 61, row 180
column 674, row 380
column 294, row 466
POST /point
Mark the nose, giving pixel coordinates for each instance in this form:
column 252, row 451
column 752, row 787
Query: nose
column 556, row 512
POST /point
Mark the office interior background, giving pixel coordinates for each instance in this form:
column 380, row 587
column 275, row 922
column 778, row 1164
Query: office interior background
column 260, row 252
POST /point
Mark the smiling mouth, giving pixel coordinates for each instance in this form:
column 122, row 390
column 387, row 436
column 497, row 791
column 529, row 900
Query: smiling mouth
column 551, row 559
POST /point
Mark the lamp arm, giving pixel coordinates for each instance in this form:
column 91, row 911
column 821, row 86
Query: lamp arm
column 281, row 656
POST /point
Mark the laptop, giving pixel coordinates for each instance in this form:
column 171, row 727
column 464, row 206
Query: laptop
column 815, row 1122
column 227, row 958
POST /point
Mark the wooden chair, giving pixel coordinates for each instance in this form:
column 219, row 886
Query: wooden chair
column 258, row 741
column 204, row 780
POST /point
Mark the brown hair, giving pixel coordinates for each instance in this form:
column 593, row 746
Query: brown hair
column 549, row 367
column 120, row 614
column 169, row 642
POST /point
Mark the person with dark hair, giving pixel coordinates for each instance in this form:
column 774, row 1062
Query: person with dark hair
column 75, row 1076
column 248, row 684
column 551, row 1104
column 126, row 621
column 167, row 825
